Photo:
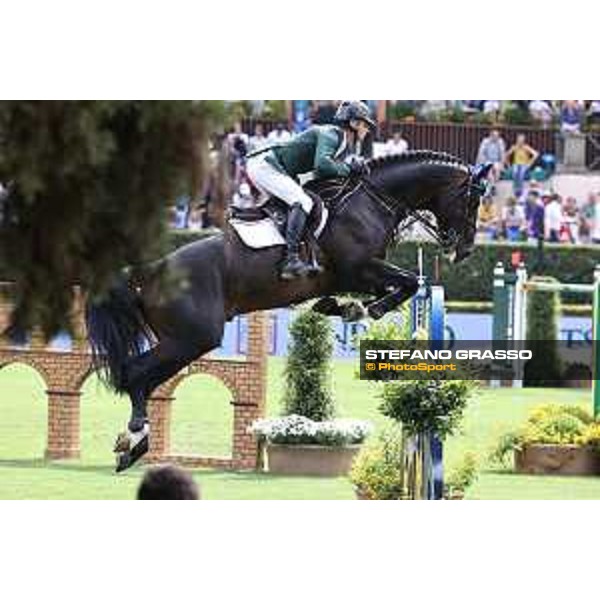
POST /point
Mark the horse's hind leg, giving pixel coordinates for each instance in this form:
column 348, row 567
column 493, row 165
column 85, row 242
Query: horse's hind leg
column 149, row 371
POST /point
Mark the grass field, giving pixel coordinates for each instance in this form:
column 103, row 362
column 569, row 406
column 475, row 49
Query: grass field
column 202, row 424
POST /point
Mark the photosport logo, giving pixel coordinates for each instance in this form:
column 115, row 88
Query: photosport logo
column 485, row 360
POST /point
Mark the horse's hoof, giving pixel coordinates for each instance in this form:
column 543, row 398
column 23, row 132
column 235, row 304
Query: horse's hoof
column 353, row 311
column 129, row 458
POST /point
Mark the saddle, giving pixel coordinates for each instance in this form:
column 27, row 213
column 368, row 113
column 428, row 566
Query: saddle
column 324, row 194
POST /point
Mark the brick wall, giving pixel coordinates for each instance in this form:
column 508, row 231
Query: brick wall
column 65, row 372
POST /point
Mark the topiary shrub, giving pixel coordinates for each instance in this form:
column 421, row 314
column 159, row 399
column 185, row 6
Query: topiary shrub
column 308, row 368
column 543, row 312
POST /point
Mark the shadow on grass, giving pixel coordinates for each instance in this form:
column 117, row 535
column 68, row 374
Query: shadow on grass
column 73, row 466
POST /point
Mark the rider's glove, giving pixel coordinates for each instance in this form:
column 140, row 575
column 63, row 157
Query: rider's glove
column 358, row 166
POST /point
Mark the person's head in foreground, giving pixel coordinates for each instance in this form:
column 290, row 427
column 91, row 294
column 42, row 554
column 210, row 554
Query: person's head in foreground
column 167, row 482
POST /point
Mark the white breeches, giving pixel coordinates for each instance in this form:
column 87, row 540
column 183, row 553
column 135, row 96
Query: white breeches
column 268, row 179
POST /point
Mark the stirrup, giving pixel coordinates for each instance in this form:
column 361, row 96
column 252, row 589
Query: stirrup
column 293, row 271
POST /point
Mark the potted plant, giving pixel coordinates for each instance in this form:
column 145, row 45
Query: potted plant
column 377, row 469
column 296, row 445
column 308, row 440
column 425, row 409
column 555, row 439
column 461, row 477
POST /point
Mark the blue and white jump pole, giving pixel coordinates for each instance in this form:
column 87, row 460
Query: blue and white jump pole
column 429, row 315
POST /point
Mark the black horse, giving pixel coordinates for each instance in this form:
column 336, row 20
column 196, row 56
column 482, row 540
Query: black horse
column 141, row 337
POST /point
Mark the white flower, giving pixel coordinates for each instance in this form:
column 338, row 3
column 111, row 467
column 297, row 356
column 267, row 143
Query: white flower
column 301, row 430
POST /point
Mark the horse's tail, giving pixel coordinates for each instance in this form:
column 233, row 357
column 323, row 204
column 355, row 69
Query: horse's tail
column 117, row 331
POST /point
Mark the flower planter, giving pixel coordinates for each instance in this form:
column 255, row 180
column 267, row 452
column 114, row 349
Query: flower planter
column 361, row 494
column 324, row 461
column 455, row 495
column 553, row 459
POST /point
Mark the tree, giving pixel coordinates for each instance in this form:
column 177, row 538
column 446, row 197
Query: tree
column 87, row 186
column 308, row 368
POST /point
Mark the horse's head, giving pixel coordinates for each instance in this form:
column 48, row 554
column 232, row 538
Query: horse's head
column 456, row 212
column 422, row 181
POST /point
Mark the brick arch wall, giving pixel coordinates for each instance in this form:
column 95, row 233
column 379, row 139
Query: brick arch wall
column 245, row 379
column 65, row 372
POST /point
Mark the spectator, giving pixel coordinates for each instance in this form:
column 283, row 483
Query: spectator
column 553, row 218
column 492, row 107
column 596, row 222
column 279, row 135
column 588, row 216
column 534, row 214
column 571, row 221
column 430, row 109
column 542, row 112
column 570, row 117
column 492, row 149
column 513, row 220
column 196, row 220
column 258, row 140
column 521, row 156
column 238, row 148
column 180, row 212
column 238, row 140
column 488, row 219
column 396, row 145
column 593, row 113
column 167, row 482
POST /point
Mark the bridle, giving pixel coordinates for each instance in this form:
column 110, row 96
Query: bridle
column 447, row 238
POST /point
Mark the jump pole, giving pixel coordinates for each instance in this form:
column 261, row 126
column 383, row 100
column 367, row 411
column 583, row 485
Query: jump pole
column 595, row 341
column 510, row 313
column 428, row 313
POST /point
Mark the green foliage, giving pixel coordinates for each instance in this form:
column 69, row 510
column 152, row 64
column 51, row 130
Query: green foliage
column 308, row 368
column 276, row 110
column 400, row 110
column 377, row 469
column 426, row 406
column 550, row 424
column 543, row 312
column 88, row 185
column 503, row 451
column 462, row 476
column 515, row 115
column 472, row 280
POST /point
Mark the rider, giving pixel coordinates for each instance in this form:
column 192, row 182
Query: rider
column 320, row 150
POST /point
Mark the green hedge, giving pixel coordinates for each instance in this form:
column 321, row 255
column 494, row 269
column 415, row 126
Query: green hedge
column 472, row 280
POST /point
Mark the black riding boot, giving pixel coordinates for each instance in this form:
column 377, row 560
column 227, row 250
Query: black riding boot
column 294, row 266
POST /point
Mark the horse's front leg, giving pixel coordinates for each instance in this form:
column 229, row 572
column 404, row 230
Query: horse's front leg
column 348, row 311
column 392, row 285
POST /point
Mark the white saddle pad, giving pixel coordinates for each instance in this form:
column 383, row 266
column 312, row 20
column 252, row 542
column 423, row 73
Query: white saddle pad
column 264, row 234
column 258, row 234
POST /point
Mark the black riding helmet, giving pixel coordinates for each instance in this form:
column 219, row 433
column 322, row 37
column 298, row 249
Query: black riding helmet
column 349, row 110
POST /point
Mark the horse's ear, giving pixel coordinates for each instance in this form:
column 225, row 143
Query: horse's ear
column 481, row 171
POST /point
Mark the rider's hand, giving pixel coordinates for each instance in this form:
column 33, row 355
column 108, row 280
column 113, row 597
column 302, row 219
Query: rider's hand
column 358, row 167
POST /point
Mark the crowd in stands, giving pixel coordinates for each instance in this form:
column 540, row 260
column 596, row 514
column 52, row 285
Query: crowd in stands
column 570, row 116
column 532, row 212
column 541, row 214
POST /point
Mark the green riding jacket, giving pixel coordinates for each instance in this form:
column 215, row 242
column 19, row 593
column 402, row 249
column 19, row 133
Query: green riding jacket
column 320, row 149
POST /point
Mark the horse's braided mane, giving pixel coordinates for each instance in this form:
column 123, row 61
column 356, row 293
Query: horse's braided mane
column 420, row 156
